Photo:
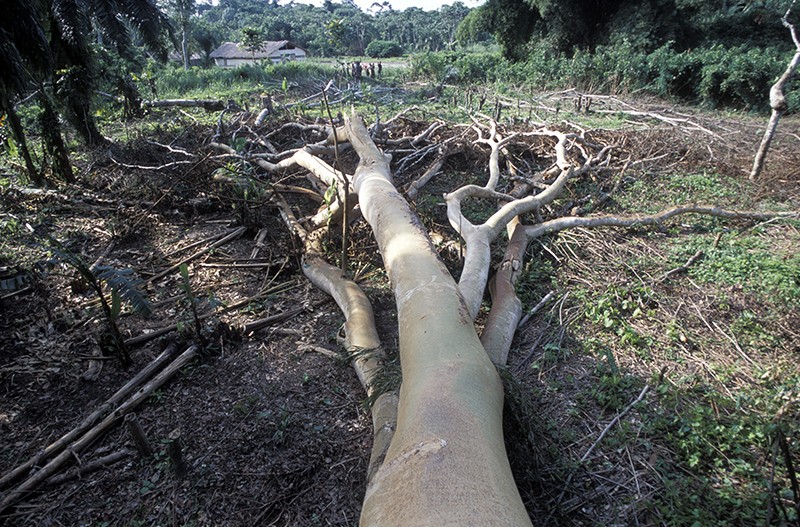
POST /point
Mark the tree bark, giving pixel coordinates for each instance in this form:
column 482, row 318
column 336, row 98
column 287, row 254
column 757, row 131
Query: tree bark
column 19, row 136
column 777, row 100
column 447, row 463
column 53, row 140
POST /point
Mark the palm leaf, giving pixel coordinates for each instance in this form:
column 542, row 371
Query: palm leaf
column 150, row 24
column 125, row 283
column 24, row 50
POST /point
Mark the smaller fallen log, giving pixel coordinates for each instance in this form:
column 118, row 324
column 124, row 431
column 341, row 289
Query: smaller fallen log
column 15, row 495
column 56, row 447
column 88, row 468
column 208, row 105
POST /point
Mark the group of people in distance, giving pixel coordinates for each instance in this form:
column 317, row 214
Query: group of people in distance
column 357, row 70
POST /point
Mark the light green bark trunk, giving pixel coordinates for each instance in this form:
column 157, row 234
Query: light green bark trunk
column 447, row 463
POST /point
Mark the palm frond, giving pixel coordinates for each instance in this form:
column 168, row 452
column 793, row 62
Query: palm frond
column 126, row 284
column 69, row 39
column 151, row 23
column 12, row 66
column 24, row 50
column 110, row 22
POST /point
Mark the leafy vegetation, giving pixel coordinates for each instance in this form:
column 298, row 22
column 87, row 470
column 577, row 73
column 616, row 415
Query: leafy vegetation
column 383, row 48
column 714, row 342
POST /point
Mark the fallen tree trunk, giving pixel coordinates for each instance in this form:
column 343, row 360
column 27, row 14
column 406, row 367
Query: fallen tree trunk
column 208, row 105
column 15, row 494
column 447, row 463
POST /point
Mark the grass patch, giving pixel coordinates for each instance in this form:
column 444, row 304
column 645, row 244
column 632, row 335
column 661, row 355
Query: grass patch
column 651, row 193
column 747, row 261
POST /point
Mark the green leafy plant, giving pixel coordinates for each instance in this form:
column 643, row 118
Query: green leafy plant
column 123, row 285
column 384, row 48
column 187, row 289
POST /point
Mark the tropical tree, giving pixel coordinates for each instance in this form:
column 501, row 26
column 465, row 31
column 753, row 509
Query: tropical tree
column 24, row 53
column 206, row 39
column 182, row 11
column 253, row 40
column 566, row 25
column 73, row 25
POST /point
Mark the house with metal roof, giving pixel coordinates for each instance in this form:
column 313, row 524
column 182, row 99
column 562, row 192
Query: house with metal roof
column 231, row 54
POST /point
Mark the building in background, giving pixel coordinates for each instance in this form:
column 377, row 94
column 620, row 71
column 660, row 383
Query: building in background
column 231, row 54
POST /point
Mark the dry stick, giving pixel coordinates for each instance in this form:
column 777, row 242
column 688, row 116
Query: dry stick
column 147, row 337
column 415, row 186
column 597, row 442
column 683, row 267
column 138, row 435
column 263, row 265
column 615, row 421
column 199, row 242
column 733, row 341
column 88, row 468
column 147, row 167
column 260, row 237
column 771, row 484
column 90, row 421
column 345, row 184
column 233, row 235
column 787, row 457
column 535, row 309
column 777, row 99
column 263, row 322
column 15, row 495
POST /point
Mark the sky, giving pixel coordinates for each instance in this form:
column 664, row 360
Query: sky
column 399, row 5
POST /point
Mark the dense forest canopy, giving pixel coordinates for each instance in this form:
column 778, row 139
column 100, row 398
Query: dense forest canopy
column 563, row 25
column 335, row 28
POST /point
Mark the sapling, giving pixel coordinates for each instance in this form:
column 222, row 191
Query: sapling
column 123, row 285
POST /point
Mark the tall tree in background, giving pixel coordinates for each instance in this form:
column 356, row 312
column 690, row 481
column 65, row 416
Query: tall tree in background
column 565, row 25
column 206, row 40
column 24, row 52
column 73, row 24
column 253, row 40
column 182, row 11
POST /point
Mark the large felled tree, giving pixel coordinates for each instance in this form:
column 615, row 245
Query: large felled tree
column 73, row 25
column 438, row 456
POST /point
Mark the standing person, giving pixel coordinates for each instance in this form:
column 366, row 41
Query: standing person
column 380, row 70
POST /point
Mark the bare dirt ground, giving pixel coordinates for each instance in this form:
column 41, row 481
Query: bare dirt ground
column 272, row 422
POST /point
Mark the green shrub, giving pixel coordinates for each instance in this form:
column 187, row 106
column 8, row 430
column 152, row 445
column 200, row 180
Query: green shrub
column 433, row 66
column 674, row 74
column 173, row 81
column 384, row 48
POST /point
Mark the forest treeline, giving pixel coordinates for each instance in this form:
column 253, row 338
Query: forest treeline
column 719, row 52
column 65, row 54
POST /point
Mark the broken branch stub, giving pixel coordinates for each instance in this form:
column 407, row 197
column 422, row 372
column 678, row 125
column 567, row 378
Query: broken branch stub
column 447, row 463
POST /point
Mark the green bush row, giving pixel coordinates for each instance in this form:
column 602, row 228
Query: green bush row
column 735, row 77
column 384, row 49
column 174, row 81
